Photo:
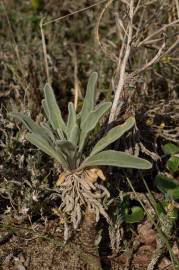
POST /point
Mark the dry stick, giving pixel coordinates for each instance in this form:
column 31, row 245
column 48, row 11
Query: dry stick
column 97, row 36
column 123, row 65
column 157, row 32
column 53, row 21
column 177, row 7
column 171, row 47
column 151, row 62
column 75, row 12
column 44, row 50
column 120, row 25
column 137, row 7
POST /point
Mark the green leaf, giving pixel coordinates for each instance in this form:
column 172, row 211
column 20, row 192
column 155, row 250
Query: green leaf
column 112, row 135
column 173, row 164
column 74, row 136
column 69, row 150
column 66, row 147
column 134, row 214
column 89, row 101
column 170, row 149
column 53, row 110
column 72, row 119
column 167, row 186
column 45, row 108
column 91, row 122
column 161, row 208
column 31, row 125
column 48, row 131
column 116, row 158
column 43, row 145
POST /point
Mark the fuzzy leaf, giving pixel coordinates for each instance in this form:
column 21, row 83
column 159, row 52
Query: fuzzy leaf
column 89, row 101
column 112, row 135
column 71, row 122
column 45, row 108
column 116, row 158
column 92, row 121
column 43, row 145
column 66, row 147
column 31, row 125
column 69, row 150
column 49, row 131
column 53, row 109
column 74, row 136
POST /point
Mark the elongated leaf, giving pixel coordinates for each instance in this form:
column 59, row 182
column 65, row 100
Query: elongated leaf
column 72, row 121
column 45, row 108
column 92, row 121
column 49, row 131
column 31, row 125
column 89, row 101
column 66, row 147
column 27, row 121
column 167, row 186
column 69, row 150
column 112, row 135
column 43, row 145
column 116, row 158
column 74, row 135
column 53, row 109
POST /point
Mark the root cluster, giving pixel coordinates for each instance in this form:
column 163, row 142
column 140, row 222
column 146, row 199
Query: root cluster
column 77, row 193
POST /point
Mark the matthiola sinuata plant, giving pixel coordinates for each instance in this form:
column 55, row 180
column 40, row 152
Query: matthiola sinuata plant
column 80, row 183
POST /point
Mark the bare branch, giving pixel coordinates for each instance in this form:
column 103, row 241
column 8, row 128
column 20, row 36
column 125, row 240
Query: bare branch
column 157, row 32
column 123, row 65
column 150, row 63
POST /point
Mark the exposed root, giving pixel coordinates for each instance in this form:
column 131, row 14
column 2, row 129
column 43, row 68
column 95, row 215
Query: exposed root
column 77, row 193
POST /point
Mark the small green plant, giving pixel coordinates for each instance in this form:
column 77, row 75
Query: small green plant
column 166, row 182
column 124, row 211
column 78, row 184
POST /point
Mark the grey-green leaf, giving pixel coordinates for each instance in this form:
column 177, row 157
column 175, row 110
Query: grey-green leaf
column 74, row 135
column 31, row 125
column 116, row 158
column 45, row 108
column 112, row 135
column 27, row 121
column 53, row 110
column 69, row 150
column 43, row 145
column 91, row 122
column 66, row 146
column 89, row 101
column 49, row 131
column 71, row 122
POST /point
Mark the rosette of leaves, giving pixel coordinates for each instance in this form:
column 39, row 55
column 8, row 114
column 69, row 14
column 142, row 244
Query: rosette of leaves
column 79, row 184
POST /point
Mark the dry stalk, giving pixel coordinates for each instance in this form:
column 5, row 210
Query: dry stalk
column 124, row 62
column 76, row 90
column 135, row 33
